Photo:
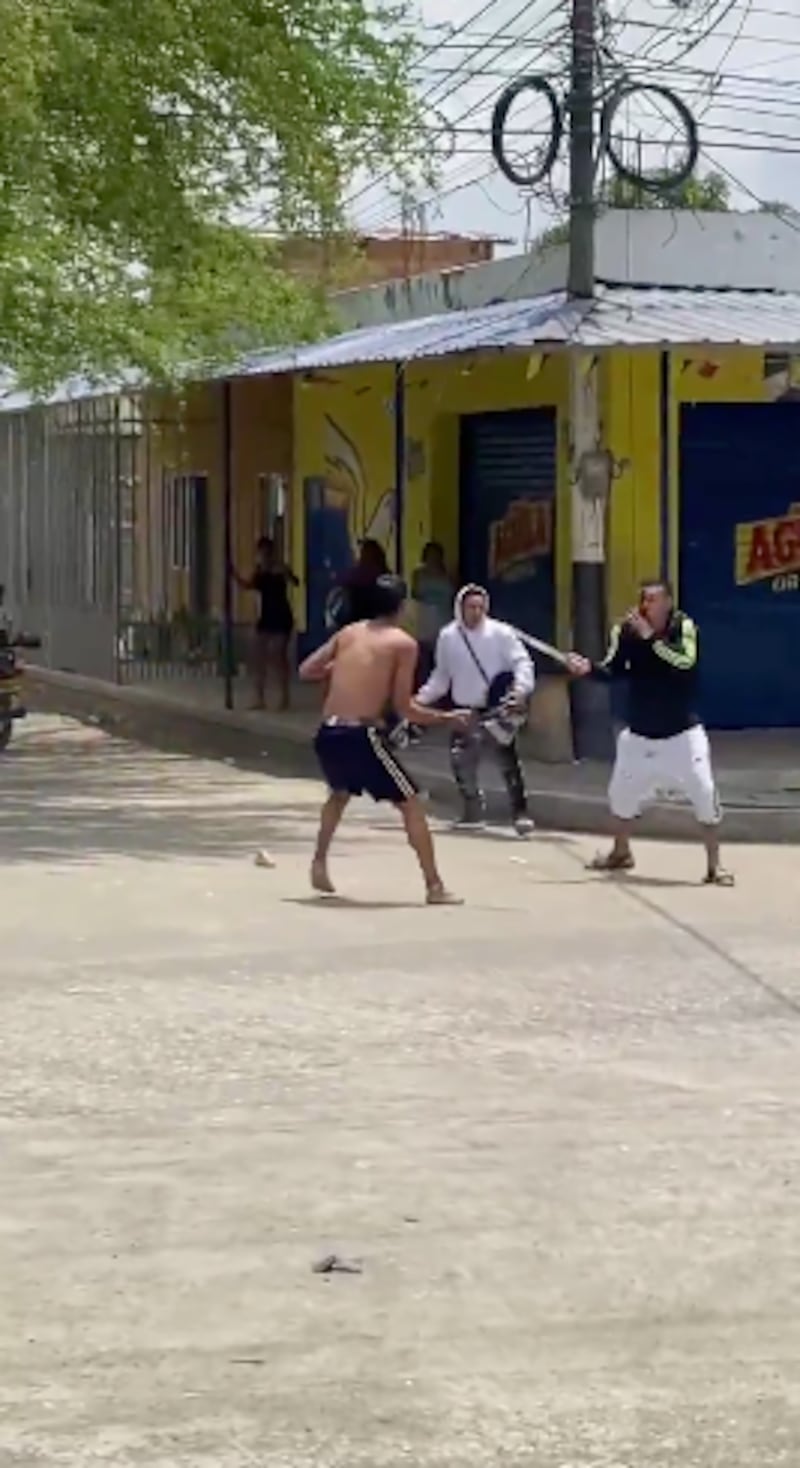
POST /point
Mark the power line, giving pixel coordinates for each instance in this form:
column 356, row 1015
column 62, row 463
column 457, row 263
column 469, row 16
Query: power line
column 739, row 183
column 758, row 101
column 451, row 126
column 457, row 77
column 439, row 93
column 732, row 36
column 459, row 29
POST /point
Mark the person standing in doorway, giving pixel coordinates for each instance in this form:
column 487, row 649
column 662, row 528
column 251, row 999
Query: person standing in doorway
column 270, row 581
column 432, row 590
column 369, row 669
column 655, row 650
column 475, row 657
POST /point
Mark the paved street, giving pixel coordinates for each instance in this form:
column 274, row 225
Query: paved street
column 559, row 1127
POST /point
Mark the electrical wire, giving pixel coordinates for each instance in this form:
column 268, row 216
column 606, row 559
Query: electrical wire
column 545, row 45
column 738, row 183
column 458, row 79
column 669, row 51
column 715, row 91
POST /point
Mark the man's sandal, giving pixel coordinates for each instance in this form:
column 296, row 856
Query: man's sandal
column 611, row 862
column 720, row 877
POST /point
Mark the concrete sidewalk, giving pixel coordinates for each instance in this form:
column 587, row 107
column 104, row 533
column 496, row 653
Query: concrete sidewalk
column 758, row 772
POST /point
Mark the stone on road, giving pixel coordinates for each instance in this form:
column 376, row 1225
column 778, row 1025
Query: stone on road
column 557, row 1129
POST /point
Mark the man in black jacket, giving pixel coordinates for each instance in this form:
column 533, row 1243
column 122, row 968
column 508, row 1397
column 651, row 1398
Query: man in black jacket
column 655, row 649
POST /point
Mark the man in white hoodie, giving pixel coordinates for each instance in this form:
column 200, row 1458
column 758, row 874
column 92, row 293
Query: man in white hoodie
column 478, row 659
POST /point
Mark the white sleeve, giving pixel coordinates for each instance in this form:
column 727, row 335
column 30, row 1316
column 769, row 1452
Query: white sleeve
column 521, row 666
column 438, row 685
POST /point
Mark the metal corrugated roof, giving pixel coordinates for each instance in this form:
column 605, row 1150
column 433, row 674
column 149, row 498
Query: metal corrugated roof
column 626, row 316
column 549, row 318
column 630, row 316
column 618, row 316
column 77, row 389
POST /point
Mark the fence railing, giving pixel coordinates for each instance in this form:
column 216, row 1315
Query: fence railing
column 179, row 647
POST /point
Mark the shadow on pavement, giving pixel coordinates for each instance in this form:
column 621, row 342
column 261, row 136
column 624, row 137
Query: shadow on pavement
column 78, row 796
column 337, row 900
column 72, row 793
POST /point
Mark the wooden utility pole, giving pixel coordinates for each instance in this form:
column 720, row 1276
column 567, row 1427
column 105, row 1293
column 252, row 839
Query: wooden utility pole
column 581, row 151
column 591, row 719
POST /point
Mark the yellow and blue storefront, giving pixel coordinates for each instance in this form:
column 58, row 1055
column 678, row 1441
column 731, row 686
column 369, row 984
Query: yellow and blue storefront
column 705, row 446
column 733, row 528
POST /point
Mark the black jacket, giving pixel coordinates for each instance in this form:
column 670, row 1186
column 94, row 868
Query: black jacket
column 661, row 674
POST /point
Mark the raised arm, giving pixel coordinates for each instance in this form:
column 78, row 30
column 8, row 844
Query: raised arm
column 247, row 583
column 316, row 667
column 682, row 654
column 614, row 663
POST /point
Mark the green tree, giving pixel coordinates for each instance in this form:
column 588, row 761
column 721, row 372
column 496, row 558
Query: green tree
column 144, row 144
column 709, row 194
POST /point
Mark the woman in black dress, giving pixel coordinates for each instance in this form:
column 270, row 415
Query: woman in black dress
column 271, row 580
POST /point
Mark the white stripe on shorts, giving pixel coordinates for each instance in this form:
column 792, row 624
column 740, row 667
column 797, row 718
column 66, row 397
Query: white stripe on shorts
column 395, row 770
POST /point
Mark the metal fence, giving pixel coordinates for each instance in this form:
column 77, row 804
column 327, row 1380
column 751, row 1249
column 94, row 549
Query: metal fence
column 60, row 470
column 86, row 530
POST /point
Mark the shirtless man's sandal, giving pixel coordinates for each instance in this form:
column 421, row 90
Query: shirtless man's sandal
column 369, row 668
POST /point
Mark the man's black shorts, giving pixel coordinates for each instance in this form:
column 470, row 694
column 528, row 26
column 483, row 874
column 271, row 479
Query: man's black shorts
column 356, row 759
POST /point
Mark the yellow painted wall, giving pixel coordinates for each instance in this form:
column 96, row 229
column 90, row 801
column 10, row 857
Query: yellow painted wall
column 340, row 425
column 438, row 394
column 630, row 423
column 344, row 431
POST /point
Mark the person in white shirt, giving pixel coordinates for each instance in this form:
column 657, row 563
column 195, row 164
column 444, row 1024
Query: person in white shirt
column 482, row 664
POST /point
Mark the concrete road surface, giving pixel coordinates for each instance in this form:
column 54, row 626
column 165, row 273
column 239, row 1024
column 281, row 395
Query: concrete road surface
column 559, row 1127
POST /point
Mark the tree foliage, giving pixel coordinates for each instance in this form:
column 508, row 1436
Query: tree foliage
column 141, row 141
column 709, row 194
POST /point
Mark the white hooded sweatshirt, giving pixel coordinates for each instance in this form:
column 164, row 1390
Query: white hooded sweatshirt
column 497, row 648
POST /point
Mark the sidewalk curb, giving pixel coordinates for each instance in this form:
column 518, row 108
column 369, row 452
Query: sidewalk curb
column 147, row 715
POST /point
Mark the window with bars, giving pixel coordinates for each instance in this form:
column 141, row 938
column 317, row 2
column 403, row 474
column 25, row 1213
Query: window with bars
column 178, row 506
column 186, row 509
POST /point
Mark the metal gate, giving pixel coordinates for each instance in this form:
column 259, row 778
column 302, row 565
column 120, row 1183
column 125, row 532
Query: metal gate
column 740, row 558
column 507, row 523
column 65, row 559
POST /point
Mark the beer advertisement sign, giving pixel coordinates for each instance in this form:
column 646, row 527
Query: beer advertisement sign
column 769, row 551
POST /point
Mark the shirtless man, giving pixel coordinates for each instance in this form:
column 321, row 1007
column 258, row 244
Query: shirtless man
column 370, row 668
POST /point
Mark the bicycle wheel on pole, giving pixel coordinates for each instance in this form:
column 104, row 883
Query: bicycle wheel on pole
column 537, row 86
column 662, row 180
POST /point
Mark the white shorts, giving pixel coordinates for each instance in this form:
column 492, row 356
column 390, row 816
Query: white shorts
column 647, row 768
